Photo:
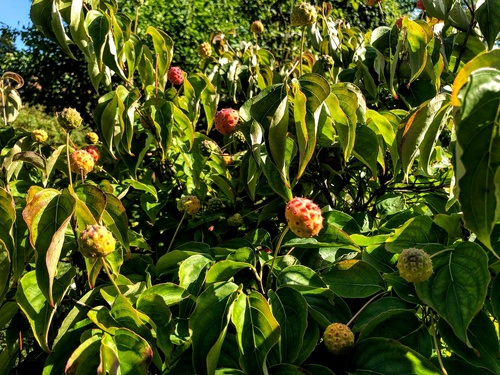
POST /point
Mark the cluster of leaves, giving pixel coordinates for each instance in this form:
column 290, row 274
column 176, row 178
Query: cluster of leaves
column 394, row 136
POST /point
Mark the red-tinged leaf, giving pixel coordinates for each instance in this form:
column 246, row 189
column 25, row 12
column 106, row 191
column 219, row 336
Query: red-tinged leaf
column 47, row 215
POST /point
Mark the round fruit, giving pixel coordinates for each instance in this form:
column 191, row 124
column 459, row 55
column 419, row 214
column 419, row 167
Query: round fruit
column 304, row 217
column 205, row 50
column 69, row 118
column 338, row 338
column 81, row 162
column 91, row 138
column 214, row 205
column 175, row 76
column 226, row 120
column 303, row 15
column 189, row 204
column 326, row 62
column 208, row 147
column 94, row 152
column 257, row 27
column 96, row 241
column 414, row 265
column 39, row 135
column 235, row 221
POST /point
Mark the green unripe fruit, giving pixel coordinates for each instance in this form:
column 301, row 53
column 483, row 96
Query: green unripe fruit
column 96, row 241
column 208, row 147
column 69, row 118
column 338, row 338
column 214, row 205
column 39, row 135
column 326, row 62
column 235, row 221
column 414, row 265
column 303, row 15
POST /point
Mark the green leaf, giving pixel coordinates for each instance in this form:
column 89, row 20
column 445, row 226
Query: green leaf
column 257, row 331
column 388, row 357
column 357, row 281
column 225, row 270
column 115, row 219
column 47, row 216
column 457, row 288
column 483, row 338
column 110, row 363
column 7, row 219
column 495, row 296
column 418, row 133
column 35, row 306
column 314, row 89
column 377, row 308
column 301, row 276
column 208, row 325
column 85, row 359
column 366, row 148
column 134, row 352
column 163, row 46
column 94, row 201
column 400, row 325
column 171, row 293
column 478, row 158
column 417, row 232
column 290, row 310
column 98, row 26
column 417, row 40
column 488, row 18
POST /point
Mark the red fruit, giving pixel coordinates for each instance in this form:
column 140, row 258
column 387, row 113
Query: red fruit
column 420, row 5
column 175, row 76
column 399, row 22
column 304, row 217
column 226, row 120
column 94, row 152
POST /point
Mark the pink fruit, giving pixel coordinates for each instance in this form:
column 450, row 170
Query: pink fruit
column 304, row 217
column 175, row 76
column 226, row 120
column 94, row 152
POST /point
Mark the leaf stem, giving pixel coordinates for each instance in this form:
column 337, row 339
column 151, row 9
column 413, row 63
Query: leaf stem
column 364, row 307
column 276, row 250
column 67, row 158
column 436, row 346
column 301, row 49
column 176, row 231
column 106, row 269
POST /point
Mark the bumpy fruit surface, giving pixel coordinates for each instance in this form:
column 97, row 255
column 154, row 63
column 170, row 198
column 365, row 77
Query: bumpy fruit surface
column 214, row 205
column 338, row 338
column 303, row 15
column 69, row 118
column 240, row 136
column 39, row 135
column 94, row 152
column 304, row 217
column 414, row 265
column 96, row 241
column 175, row 76
column 226, row 120
column 257, row 27
column 208, row 147
column 81, row 162
column 205, row 50
column 91, row 138
column 235, row 221
column 189, row 204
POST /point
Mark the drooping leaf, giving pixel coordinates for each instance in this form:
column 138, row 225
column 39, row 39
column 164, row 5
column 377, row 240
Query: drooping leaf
column 290, row 310
column 209, row 323
column 457, row 288
column 483, row 339
column 478, row 158
column 257, row 331
column 35, row 306
column 488, row 18
column 47, row 215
